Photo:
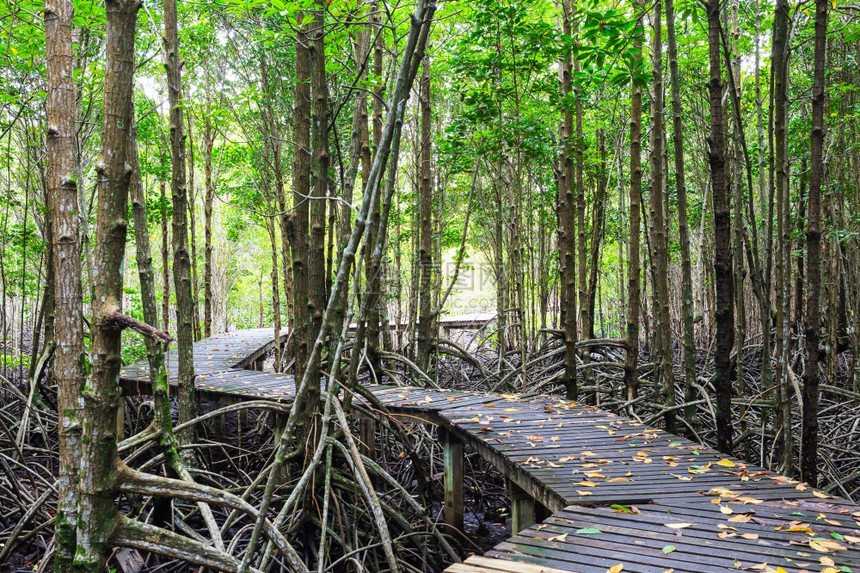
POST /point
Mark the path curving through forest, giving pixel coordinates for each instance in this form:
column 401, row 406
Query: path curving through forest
column 621, row 496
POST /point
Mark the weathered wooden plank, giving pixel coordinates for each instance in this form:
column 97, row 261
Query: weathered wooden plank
column 477, row 564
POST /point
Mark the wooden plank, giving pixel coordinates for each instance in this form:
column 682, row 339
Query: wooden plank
column 477, row 564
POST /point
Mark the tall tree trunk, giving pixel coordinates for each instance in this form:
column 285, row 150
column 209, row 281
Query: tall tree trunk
column 272, row 147
column 165, row 259
column 143, row 256
column 597, row 230
column 298, row 225
column 371, row 275
column 809, row 446
column 319, row 173
column 566, row 220
column 192, row 220
column 360, row 157
column 683, row 225
column 581, row 237
column 425, row 213
column 631, row 374
column 208, row 200
column 70, row 358
column 181, row 262
column 784, row 446
column 659, row 226
column 101, row 400
column 722, row 238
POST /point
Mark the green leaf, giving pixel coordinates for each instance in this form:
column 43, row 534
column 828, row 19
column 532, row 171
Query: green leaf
column 668, row 549
column 588, row 531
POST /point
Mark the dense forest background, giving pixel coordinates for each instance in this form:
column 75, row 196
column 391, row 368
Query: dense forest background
column 649, row 206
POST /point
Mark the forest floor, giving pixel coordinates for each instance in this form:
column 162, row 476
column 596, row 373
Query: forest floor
column 28, row 466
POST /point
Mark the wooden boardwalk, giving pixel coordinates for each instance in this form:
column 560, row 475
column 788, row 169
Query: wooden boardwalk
column 622, row 496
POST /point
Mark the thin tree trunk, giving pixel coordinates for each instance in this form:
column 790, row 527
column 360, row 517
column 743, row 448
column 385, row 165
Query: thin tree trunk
column 208, row 200
column 683, row 225
column 809, row 447
column 165, row 260
column 597, row 230
column 192, row 220
column 103, row 396
column 319, row 174
column 631, row 375
column 70, row 358
column 181, row 262
column 143, row 253
column 298, row 225
column 372, row 279
column 425, row 208
column 272, row 147
column 722, row 239
column 784, row 446
column 659, row 226
column 566, row 221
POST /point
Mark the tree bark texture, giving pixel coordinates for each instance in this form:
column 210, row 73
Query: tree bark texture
column 181, row 260
column 631, row 361
column 659, row 227
column 809, row 446
column 566, row 217
column 425, row 213
column 722, row 238
column 70, row 359
column 103, row 395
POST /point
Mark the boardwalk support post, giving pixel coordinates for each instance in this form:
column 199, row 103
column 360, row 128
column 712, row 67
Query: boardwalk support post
column 367, row 435
column 452, row 448
column 522, row 508
column 220, row 422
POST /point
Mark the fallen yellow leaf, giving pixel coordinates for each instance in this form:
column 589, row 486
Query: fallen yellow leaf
column 726, row 463
column 615, row 568
column 826, row 546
